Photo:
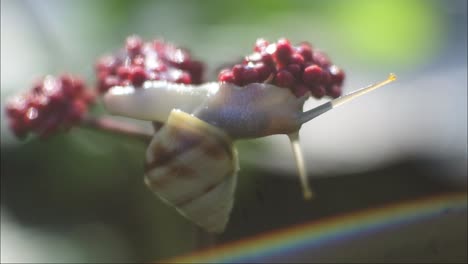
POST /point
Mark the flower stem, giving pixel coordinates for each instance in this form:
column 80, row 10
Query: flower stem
column 113, row 126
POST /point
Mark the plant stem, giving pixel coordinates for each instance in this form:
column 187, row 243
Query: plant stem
column 113, row 126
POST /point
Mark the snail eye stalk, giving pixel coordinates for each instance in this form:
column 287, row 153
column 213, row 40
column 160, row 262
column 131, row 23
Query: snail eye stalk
column 299, row 157
column 313, row 113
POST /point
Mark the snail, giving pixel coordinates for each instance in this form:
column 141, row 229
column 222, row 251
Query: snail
column 191, row 162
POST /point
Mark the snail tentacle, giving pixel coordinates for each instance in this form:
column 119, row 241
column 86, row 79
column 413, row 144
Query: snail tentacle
column 300, row 164
column 313, row 113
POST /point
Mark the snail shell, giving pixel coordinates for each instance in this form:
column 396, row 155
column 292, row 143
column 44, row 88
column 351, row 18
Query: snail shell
column 192, row 166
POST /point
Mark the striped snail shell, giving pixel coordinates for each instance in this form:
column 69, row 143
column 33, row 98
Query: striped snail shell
column 192, row 165
column 191, row 162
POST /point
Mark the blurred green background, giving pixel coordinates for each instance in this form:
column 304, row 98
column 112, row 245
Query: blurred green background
column 80, row 197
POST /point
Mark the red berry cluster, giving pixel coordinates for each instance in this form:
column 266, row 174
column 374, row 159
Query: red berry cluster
column 298, row 68
column 140, row 61
column 51, row 105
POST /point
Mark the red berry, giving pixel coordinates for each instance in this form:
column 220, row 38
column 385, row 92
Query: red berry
column 139, row 60
column 67, row 86
column 123, row 72
column 267, row 59
column 334, row 91
column 260, row 44
column 326, row 78
column 38, row 101
column 77, row 110
column 254, row 57
column 78, row 83
column 158, row 45
column 158, row 61
column 226, row 76
column 16, row 107
column 44, row 109
column 137, row 76
column 297, row 59
column 296, row 67
column 49, row 85
column 31, row 117
column 153, row 76
column 133, row 45
column 283, row 51
column 306, row 51
column 184, row 78
column 110, row 81
column 337, row 74
column 321, row 59
column 263, row 71
column 300, row 90
column 66, row 81
column 312, row 75
column 56, row 97
column 295, row 70
column 284, row 79
column 196, row 71
column 106, row 64
column 250, row 75
column 238, row 72
column 318, row 91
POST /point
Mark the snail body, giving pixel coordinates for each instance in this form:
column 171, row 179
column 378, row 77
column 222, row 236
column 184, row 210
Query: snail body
column 191, row 162
column 156, row 99
column 252, row 111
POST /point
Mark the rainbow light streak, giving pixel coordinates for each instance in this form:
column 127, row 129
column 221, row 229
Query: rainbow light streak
column 317, row 232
